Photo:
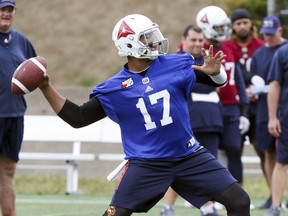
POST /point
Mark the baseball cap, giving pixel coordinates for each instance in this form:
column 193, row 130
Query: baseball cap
column 5, row 3
column 240, row 13
column 270, row 24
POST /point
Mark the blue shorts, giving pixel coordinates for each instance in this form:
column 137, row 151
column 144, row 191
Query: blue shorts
column 265, row 141
column 11, row 137
column 198, row 178
column 282, row 144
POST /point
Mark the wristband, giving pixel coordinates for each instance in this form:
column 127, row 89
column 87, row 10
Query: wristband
column 220, row 78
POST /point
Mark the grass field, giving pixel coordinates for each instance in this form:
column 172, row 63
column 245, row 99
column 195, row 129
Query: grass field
column 79, row 205
column 45, row 196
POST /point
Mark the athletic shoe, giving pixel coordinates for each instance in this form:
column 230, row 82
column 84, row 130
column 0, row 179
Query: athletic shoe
column 218, row 206
column 167, row 211
column 214, row 213
column 273, row 211
column 267, row 204
column 284, row 205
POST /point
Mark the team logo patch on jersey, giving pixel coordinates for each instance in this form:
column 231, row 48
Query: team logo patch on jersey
column 145, row 80
column 127, row 83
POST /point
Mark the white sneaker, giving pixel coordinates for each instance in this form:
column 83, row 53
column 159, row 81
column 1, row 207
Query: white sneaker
column 167, row 211
column 218, row 206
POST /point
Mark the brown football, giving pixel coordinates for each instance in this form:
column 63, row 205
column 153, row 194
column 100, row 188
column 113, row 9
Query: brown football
column 28, row 75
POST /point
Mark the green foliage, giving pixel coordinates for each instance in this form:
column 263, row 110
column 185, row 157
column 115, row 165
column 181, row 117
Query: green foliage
column 258, row 8
column 282, row 11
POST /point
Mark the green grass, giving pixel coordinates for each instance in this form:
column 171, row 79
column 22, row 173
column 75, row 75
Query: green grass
column 85, row 205
column 45, row 196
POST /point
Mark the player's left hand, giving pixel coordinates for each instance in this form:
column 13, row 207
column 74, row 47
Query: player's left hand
column 212, row 63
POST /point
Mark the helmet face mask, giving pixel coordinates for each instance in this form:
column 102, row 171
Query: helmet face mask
column 153, row 42
column 137, row 36
column 214, row 22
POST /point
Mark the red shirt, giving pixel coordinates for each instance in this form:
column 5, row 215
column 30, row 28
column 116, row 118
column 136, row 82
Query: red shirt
column 241, row 54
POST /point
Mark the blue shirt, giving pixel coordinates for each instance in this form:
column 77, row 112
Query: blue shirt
column 261, row 61
column 152, row 111
column 14, row 49
column 279, row 72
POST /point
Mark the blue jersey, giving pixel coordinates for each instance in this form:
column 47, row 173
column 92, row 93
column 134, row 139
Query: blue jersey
column 152, row 111
column 14, row 49
column 261, row 61
column 279, row 71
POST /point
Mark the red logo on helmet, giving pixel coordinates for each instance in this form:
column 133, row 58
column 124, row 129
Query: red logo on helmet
column 204, row 19
column 124, row 30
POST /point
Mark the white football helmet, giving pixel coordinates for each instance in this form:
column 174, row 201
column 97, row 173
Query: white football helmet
column 136, row 35
column 214, row 23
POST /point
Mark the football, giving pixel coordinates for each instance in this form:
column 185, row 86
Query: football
column 28, row 75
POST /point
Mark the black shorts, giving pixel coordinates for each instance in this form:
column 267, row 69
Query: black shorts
column 198, row 178
column 11, row 137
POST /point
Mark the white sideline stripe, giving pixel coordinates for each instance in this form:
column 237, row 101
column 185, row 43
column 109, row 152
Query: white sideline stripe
column 20, row 85
column 87, row 202
column 41, row 167
column 38, row 64
column 250, row 159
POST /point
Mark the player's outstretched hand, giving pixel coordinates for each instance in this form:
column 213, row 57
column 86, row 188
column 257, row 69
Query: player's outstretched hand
column 212, row 63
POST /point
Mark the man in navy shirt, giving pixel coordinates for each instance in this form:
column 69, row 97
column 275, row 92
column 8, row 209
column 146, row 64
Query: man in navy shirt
column 14, row 49
column 261, row 60
column 148, row 99
column 277, row 124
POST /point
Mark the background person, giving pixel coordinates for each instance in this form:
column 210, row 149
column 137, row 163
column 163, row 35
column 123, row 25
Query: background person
column 215, row 24
column 14, row 49
column 243, row 43
column 205, row 113
column 272, row 34
column 277, row 124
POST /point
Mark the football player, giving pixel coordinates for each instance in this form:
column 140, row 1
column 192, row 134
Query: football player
column 148, row 99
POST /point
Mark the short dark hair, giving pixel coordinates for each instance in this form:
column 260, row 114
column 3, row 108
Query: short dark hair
column 193, row 28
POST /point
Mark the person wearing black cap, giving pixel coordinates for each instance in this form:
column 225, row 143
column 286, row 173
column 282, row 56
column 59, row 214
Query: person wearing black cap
column 243, row 44
column 14, row 49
